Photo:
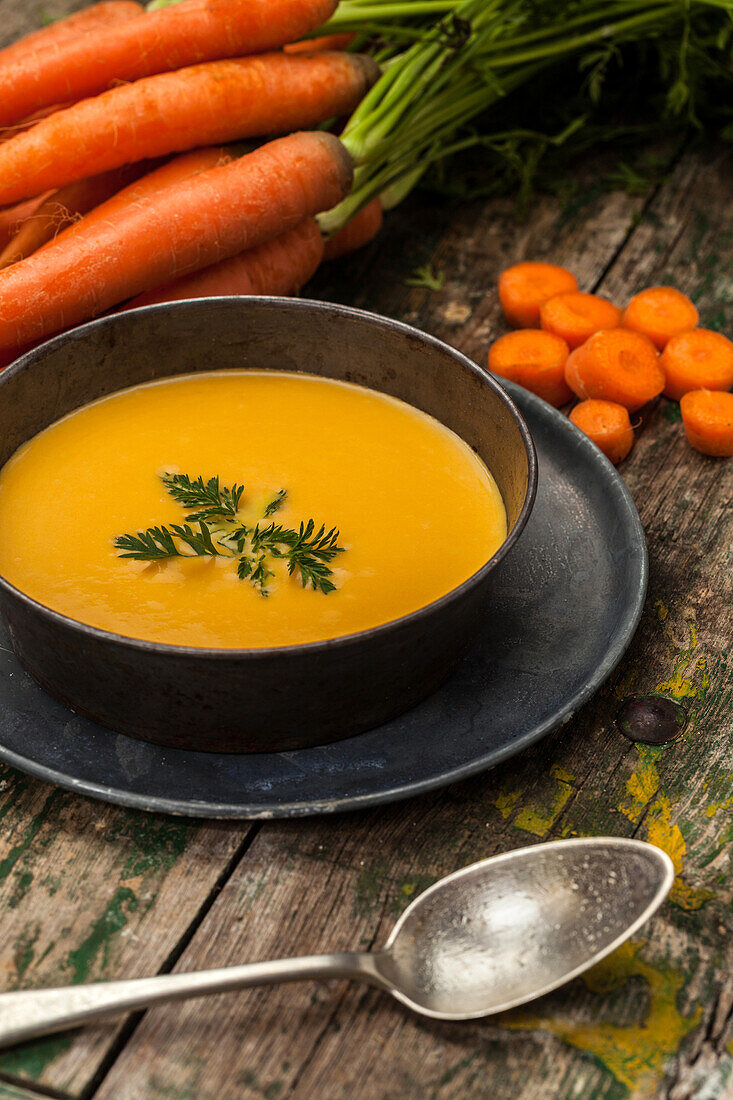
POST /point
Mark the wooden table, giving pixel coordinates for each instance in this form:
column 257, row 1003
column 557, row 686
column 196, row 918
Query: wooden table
column 91, row 891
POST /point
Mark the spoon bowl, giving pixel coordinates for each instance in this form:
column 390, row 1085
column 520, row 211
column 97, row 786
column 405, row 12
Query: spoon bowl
column 506, row 930
column 489, row 937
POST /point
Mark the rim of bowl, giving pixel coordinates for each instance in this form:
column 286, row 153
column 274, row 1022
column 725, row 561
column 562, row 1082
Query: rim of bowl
column 264, row 652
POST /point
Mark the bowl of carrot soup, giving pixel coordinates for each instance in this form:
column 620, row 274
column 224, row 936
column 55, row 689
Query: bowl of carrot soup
column 251, row 524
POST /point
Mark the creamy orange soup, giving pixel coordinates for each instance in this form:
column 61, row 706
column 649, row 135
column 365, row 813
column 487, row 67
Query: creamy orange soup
column 416, row 510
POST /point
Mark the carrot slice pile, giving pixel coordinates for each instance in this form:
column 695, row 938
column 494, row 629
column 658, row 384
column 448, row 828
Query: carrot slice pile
column 362, row 228
column 608, row 425
column 660, row 312
column 708, row 419
column 616, row 365
column 575, row 316
column 697, row 360
column 524, row 287
column 535, row 360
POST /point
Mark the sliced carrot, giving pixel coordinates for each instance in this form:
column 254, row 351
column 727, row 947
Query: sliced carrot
column 660, row 312
column 279, row 266
column 608, row 425
column 697, row 360
column 524, row 287
column 93, row 18
column 187, row 33
column 575, row 316
column 324, row 42
column 708, row 419
column 535, row 360
column 616, row 365
column 202, row 105
column 355, row 234
column 185, row 227
column 63, row 207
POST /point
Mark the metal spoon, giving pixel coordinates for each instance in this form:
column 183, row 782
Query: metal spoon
column 489, row 937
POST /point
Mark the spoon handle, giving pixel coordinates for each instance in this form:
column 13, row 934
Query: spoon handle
column 29, row 1013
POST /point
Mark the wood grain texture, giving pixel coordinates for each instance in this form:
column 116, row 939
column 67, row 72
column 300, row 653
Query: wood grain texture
column 655, row 1019
column 90, row 891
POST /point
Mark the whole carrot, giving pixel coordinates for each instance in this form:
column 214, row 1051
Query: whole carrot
column 217, row 102
column 173, row 171
column 185, row 227
column 362, row 228
column 279, row 266
column 323, row 42
column 13, row 217
column 104, row 14
column 63, row 207
column 185, row 34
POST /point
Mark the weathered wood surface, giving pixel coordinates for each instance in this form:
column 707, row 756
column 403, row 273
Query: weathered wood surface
column 89, row 891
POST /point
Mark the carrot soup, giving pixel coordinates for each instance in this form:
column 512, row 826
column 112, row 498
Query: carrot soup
column 245, row 509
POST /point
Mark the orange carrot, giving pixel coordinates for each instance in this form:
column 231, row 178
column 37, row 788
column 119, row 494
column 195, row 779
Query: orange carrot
column 535, row 360
column 13, row 217
column 576, row 316
column 324, row 42
column 608, row 425
column 524, row 287
column 616, row 365
column 103, row 14
column 697, row 360
column 280, row 266
column 708, row 419
column 355, row 234
column 186, row 33
column 173, row 171
column 185, row 227
column 660, row 312
column 61, row 208
column 219, row 101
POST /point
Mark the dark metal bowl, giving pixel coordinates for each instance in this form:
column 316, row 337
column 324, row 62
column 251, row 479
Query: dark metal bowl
column 260, row 700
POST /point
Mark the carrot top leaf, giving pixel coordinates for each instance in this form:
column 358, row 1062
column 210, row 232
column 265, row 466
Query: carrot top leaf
column 220, row 532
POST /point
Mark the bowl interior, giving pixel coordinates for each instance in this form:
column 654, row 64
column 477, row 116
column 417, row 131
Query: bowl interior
column 269, row 334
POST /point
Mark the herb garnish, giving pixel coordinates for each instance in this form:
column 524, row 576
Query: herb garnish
column 220, row 532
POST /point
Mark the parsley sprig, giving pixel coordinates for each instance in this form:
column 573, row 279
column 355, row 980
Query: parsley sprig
column 214, row 528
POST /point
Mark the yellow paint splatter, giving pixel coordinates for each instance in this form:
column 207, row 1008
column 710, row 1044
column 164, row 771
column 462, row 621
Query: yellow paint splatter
column 506, row 802
column 661, row 832
column 713, row 808
column 637, row 1055
column 642, row 784
column 540, row 819
column 644, row 793
column 679, row 685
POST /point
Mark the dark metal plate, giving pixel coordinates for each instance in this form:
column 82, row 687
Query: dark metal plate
column 570, row 594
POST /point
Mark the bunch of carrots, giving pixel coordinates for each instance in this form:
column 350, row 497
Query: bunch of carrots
column 568, row 344
column 118, row 182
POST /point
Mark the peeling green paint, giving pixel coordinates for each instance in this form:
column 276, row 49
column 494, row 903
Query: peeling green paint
column 36, row 823
column 31, row 1059
column 368, row 888
column 112, row 921
column 157, row 843
column 24, row 949
column 22, row 886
